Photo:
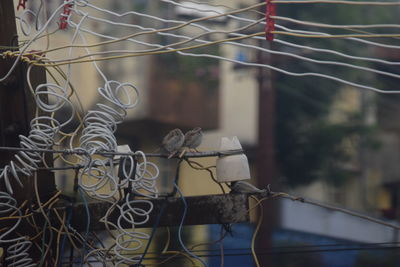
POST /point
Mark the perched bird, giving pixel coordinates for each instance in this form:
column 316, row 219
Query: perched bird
column 193, row 139
column 173, row 141
column 245, row 187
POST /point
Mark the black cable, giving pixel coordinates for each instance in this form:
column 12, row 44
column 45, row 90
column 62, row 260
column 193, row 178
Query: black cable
column 299, row 250
column 153, row 231
column 62, row 245
column 162, row 257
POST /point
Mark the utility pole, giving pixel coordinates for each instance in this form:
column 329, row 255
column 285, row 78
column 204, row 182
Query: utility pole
column 266, row 153
column 17, row 105
column 17, row 108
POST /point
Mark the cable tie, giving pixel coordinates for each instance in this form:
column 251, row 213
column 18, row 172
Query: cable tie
column 21, row 3
column 270, row 22
column 64, row 16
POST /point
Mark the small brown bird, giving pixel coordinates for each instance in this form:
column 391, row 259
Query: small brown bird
column 173, row 141
column 245, row 188
column 193, row 139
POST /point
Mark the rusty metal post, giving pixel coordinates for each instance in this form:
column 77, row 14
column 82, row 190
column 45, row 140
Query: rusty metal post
column 266, row 154
column 17, row 107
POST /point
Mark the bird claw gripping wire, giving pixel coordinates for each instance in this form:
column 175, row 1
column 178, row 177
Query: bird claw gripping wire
column 270, row 22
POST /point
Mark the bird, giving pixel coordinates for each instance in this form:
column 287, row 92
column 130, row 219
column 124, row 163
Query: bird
column 193, row 139
column 246, row 188
column 173, row 142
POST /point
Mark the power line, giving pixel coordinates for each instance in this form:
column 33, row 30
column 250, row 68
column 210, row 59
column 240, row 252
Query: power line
column 79, row 151
column 236, row 254
column 330, row 207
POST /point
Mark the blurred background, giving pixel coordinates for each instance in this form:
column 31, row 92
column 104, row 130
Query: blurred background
column 306, row 136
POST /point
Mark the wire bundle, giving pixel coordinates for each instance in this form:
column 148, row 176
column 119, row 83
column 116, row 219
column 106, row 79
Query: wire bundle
column 145, row 180
column 17, row 252
column 98, row 135
column 41, row 136
column 129, row 239
column 98, row 177
column 235, row 37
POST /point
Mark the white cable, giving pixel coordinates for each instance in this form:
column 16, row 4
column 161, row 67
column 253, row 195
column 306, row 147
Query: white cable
column 18, row 251
column 323, row 50
column 187, row 39
column 323, row 25
column 281, row 27
column 338, row 63
column 23, row 21
column 268, row 66
column 98, row 134
column 42, row 133
column 128, row 241
column 234, row 34
column 33, row 39
column 347, row 38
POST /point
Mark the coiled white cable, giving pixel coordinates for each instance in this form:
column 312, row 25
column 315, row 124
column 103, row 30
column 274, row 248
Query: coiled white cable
column 99, row 177
column 41, row 136
column 17, row 252
column 98, row 135
column 131, row 240
column 144, row 181
column 25, row 26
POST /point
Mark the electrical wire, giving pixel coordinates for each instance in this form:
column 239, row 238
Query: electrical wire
column 181, row 226
column 260, row 219
column 153, row 31
column 79, row 151
column 287, row 72
column 377, row 35
column 82, row 194
column 33, row 39
column 97, row 145
column 45, row 215
column 208, row 169
column 69, row 216
column 362, row 3
column 323, row 76
column 155, row 52
column 359, row 40
column 330, row 207
column 315, row 24
column 242, row 19
column 153, row 231
column 57, row 257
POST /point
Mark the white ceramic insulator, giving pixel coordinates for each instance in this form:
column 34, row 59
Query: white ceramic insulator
column 234, row 167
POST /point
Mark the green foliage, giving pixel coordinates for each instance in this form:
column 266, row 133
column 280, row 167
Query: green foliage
column 190, row 69
column 308, row 145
